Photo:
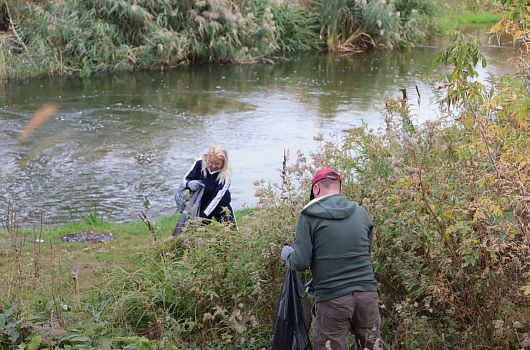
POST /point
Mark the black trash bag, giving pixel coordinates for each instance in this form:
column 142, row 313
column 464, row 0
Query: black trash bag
column 289, row 330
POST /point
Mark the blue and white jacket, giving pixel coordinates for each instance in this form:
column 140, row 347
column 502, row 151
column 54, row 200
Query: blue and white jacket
column 215, row 194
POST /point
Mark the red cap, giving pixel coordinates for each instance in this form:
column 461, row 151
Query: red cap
column 321, row 174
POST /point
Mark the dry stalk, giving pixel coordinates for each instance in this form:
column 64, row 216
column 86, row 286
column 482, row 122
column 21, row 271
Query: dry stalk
column 75, row 290
column 148, row 224
column 37, row 253
column 10, row 221
column 18, row 244
column 285, row 177
column 54, row 282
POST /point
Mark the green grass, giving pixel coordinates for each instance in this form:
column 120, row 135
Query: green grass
column 31, row 271
column 457, row 21
column 37, row 270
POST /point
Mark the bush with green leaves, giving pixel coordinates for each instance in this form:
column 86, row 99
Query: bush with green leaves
column 211, row 286
column 449, row 200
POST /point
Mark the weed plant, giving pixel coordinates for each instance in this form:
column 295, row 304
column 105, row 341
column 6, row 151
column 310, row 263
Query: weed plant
column 213, row 286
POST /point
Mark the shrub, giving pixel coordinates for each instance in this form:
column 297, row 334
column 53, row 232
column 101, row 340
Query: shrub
column 448, row 200
column 210, row 286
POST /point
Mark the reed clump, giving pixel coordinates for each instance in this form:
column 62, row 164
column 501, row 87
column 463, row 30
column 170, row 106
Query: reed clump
column 68, row 37
column 82, row 38
column 350, row 25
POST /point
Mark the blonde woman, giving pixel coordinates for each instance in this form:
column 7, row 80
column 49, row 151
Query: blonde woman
column 212, row 173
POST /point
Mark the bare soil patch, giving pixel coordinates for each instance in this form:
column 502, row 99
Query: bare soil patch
column 87, row 237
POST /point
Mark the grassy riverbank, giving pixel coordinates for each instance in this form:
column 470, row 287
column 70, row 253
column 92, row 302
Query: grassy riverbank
column 39, row 262
column 78, row 293
column 456, row 15
column 454, row 21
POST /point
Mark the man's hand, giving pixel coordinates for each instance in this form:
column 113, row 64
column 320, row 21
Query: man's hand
column 194, row 185
column 286, row 251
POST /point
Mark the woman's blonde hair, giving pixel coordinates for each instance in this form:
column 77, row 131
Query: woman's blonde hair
column 220, row 152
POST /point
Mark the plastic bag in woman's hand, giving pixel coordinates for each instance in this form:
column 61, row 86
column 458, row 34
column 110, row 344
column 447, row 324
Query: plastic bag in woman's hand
column 289, row 331
column 180, row 200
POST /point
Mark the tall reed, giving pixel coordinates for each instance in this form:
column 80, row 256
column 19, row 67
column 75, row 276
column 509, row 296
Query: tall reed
column 81, row 38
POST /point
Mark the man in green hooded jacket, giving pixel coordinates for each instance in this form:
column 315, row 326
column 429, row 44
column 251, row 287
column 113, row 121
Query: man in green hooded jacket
column 334, row 240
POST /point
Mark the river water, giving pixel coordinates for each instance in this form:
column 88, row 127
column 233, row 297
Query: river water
column 122, row 142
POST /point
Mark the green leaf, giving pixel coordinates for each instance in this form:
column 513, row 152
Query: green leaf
column 35, row 343
column 526, row 290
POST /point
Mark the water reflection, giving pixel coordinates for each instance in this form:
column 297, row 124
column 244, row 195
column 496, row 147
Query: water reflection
column 123, row 141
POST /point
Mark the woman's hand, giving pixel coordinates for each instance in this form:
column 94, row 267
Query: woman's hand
column 194, row 185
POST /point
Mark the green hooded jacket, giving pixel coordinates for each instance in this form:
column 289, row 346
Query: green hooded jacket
column 334, row 239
